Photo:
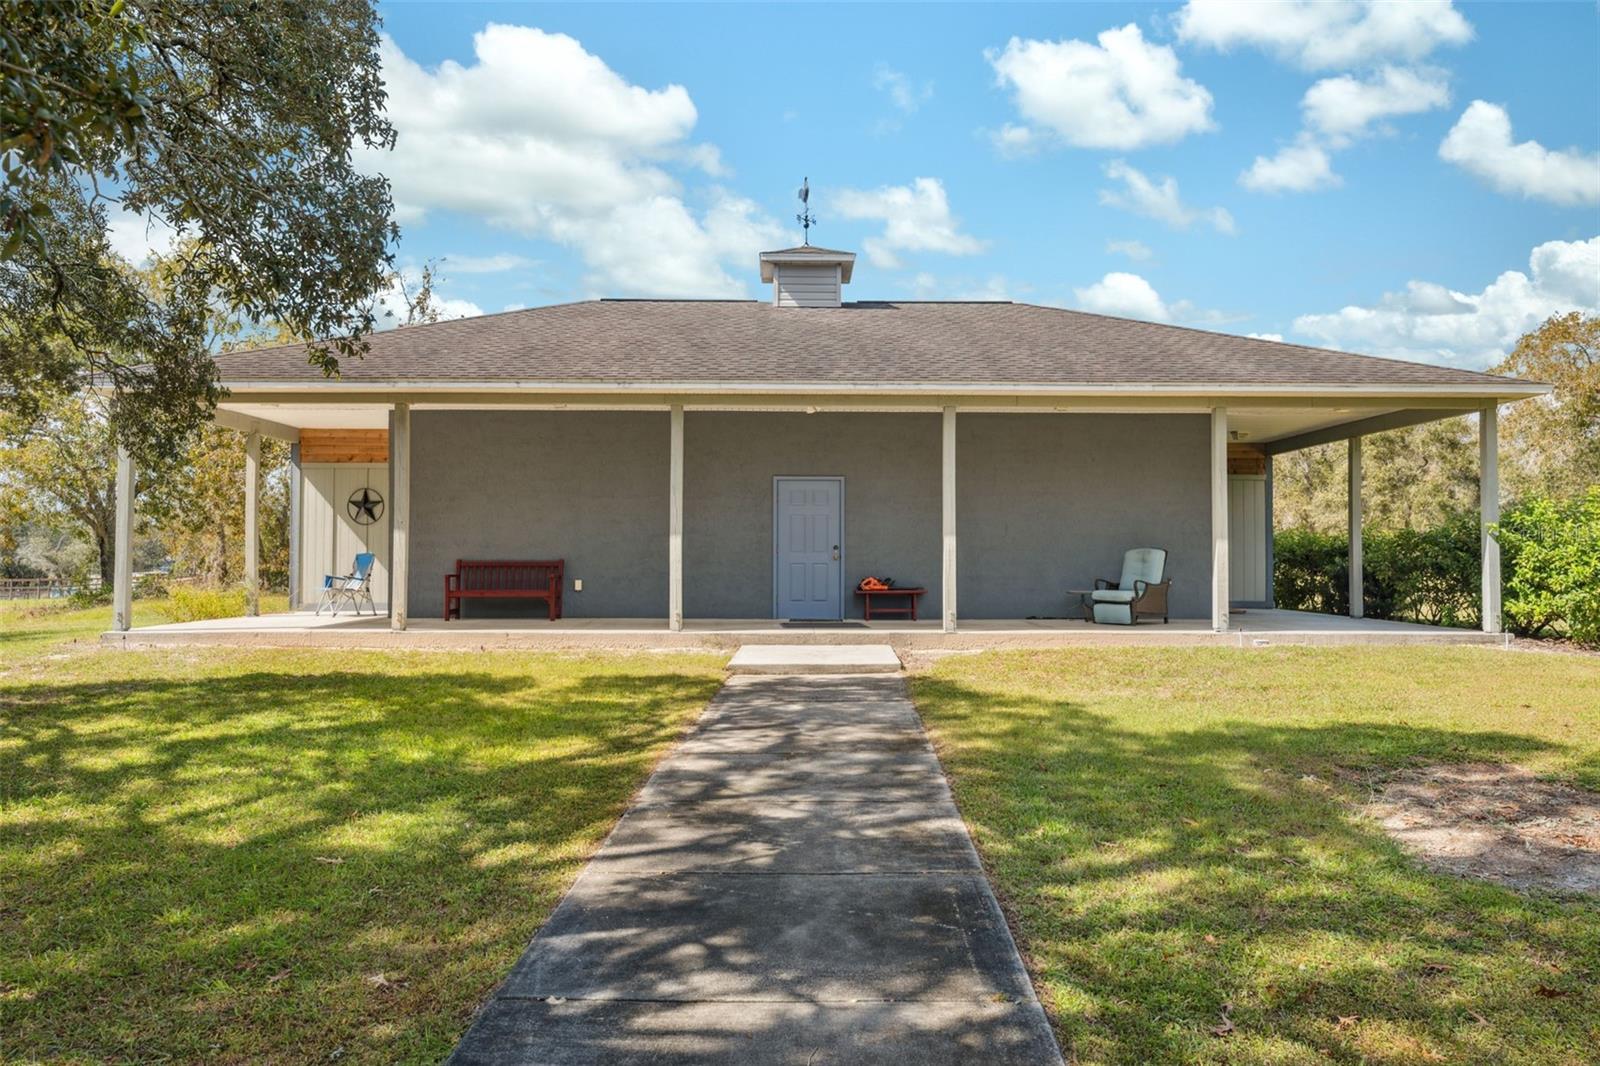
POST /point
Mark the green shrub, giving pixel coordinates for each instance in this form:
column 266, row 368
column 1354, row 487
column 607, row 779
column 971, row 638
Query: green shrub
column 151, row 586
column 1311, row 571
column 1429, row 576
column 192, row 604
column 1552, row 567
column 83, row 596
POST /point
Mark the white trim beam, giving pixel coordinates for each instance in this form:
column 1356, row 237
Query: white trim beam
column 1358, row 594
column 1361, row 428
column 122, row 547
column 947, row 580
column 675, row 522
column 1489, row 514
column 252, row 524
column 251, row 424
column 399, row 516
column 1219, row 519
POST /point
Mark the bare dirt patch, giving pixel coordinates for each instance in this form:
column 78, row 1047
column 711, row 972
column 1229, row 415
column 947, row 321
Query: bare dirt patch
column 1494, row 822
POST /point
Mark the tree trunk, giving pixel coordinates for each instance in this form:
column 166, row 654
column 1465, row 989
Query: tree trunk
column 219, row 560
column 108, row 558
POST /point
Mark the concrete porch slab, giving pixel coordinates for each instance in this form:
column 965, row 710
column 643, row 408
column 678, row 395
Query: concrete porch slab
column 1252, row 629
column 814, row 659
column 514, row 1032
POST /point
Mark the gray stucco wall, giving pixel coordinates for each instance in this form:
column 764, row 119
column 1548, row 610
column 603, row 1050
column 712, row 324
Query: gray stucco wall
column 1044, row 502
column 890, row 466
column 586, row 486
column 1050, row 502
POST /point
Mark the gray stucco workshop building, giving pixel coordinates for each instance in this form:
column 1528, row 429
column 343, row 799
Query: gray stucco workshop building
column 734, row 459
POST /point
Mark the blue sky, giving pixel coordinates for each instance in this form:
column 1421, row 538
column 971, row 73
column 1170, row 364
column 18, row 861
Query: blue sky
column 1094, row 156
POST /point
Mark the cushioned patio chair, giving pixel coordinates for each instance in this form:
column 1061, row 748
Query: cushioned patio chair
column 349, row 589
column 1141, row 590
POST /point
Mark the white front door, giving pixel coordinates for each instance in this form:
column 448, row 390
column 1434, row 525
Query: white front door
column 808, row 542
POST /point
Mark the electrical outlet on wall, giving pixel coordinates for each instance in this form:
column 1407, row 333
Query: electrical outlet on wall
column 577, row 584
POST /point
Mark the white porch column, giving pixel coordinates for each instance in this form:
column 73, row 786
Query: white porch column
column 122, row 547
column 947, row 589
column 252, row 527
column 399, row 514
column 1489, row 512
column 675, row 524
column 1358, row 602
column 1219, row 519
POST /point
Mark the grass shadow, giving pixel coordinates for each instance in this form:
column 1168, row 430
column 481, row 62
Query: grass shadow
column 206, row 860
column 1159, row 867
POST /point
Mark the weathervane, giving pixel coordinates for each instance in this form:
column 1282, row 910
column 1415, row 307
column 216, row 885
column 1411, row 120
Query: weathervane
column 805, row 217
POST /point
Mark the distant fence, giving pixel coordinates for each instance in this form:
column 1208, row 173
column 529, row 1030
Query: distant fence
column 43, row 588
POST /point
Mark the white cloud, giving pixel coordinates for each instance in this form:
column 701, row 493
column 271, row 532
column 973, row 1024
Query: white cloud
column 1480, row 142
column 1159, row 200
column 1324, row 34
column 392, row 301
column 1431, row 322
column 1266, row 336
column 485, row 264
column 901, row 90
column 1337, row 111
column 1299, row 167
column 137, row 237
column 1125, row 295
column 1344, row 107
column 994, row 287
column 1131, row 296
column 540, row 136
column 1012, row 141
column 916, row 218
column 1138, row 251
column 1123, row 93
column 659, row 246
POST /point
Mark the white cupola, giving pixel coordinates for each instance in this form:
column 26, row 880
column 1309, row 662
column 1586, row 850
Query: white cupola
column 807, row 276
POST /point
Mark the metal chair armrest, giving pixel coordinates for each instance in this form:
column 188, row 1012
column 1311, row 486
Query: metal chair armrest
column 1103, row 583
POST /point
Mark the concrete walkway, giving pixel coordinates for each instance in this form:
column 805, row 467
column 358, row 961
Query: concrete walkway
column 793, row 885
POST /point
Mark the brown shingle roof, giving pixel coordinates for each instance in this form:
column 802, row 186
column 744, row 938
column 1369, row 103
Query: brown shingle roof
column 870, row 342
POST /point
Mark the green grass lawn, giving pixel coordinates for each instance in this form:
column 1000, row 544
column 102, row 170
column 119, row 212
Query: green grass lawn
column 1174, row 830
column 227, row 855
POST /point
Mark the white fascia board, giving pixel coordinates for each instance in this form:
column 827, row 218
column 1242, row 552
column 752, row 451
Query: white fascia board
column 393, row 390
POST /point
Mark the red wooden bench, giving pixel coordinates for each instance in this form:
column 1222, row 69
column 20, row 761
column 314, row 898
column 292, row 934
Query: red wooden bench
column 910, row 595
column 504, row 579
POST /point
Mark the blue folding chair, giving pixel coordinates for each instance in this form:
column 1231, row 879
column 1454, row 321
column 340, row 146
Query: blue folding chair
column 349, row 589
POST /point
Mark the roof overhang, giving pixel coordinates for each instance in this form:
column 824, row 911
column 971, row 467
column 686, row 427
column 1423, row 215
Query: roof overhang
column 845, row 261
column 1278, row 417
column 1502, row 390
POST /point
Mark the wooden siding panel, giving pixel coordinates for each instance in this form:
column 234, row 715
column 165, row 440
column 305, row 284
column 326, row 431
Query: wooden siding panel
column 344, row 446
column 1246, row 459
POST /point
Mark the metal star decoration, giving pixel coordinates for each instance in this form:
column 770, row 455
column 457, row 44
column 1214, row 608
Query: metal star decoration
column 365, row 506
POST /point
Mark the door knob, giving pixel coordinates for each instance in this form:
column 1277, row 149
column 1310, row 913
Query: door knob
column 836, row 551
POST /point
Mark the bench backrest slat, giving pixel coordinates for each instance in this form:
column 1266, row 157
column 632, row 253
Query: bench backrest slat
column 505, row 575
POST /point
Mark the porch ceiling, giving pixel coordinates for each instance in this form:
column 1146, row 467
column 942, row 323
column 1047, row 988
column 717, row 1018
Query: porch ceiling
column 1257, row 423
